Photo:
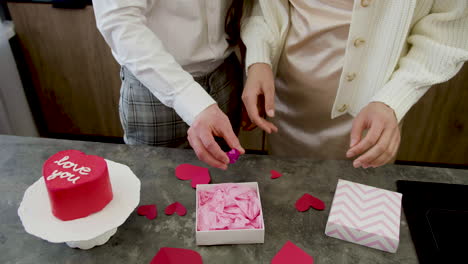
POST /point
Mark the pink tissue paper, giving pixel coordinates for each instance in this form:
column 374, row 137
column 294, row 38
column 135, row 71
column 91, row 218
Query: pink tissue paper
column 229, row 213
column 228, row 206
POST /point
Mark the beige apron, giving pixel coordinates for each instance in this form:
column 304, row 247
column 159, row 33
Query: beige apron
column 308, row 78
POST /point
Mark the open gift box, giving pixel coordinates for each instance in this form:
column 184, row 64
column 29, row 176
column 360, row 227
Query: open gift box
column 233, row 236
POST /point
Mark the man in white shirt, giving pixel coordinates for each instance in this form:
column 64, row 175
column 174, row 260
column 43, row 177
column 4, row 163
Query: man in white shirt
column 163, row 45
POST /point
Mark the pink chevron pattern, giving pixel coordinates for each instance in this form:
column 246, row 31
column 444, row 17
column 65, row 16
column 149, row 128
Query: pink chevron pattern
column 365, row 215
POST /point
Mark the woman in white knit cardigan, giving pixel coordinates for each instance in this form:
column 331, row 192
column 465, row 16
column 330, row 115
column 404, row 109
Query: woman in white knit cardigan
column 367, row 59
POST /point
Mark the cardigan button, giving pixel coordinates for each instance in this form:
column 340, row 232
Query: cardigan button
column 365, row 3
column 351, row 76
column 343, row 108
column 359, row 42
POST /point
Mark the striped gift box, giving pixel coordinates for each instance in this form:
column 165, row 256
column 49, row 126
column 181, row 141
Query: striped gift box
column 366, row 216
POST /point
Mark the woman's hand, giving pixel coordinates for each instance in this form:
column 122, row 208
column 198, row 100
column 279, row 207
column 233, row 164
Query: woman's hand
column 380, row 144
column 247, row 124
column 259, row 96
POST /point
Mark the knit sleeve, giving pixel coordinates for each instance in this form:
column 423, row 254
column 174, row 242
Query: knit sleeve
column 264, row 30
column 438, row 49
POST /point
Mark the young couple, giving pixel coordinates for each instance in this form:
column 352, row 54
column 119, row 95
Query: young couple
column 334, row 77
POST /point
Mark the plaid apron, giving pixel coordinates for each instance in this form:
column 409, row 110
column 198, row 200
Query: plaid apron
column 146, row 121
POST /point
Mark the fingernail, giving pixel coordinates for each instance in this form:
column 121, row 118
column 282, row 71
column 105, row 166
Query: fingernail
column 349, row 154
column 357, row 164
column 241, row 150
column 353, row 141
column 271, row 113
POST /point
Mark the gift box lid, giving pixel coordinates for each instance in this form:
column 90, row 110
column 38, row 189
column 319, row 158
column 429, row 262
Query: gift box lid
column 365, row 215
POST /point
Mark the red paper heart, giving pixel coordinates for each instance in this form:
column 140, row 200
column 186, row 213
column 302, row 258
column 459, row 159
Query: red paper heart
column 306, row 201
column 198, row 175
column 168, row 255
column 175, row 207
column 150, row 211
column 275, row 174
column 291, row 253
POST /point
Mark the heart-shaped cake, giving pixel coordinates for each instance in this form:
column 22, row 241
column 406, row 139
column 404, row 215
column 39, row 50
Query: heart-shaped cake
column 78, row 184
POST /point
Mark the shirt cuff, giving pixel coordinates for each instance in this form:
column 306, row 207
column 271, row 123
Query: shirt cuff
column 191, row 102
column 400, row 95
column 257, row 52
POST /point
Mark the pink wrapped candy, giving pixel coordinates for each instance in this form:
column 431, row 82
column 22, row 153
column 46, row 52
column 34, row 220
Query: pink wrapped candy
column 228, row 206
column 233, row 155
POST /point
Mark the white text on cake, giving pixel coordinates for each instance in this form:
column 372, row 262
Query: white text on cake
column 64, row 163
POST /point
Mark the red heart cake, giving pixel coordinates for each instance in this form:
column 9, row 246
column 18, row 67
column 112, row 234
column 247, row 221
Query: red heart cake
column 78, row 184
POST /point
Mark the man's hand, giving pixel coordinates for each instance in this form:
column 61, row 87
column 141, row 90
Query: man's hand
column 380, row 144
column 209, row 123
column 259, row 96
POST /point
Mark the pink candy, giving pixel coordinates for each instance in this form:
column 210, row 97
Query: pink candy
column 233, row 155
column 228, row 206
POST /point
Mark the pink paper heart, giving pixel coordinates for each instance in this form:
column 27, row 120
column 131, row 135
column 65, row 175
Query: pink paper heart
column 198, row 175
column 306, row 201
column 175, row 207
column 150, row 211
column 168, row 255
column 275, row 174
column 291, row 253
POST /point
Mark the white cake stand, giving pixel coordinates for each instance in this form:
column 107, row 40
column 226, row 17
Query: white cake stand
column 84, row 233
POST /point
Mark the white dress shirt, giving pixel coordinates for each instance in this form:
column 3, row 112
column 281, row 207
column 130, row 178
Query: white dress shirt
column 166, row 42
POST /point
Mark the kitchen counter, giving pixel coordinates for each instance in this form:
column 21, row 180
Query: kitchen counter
column 138, row 239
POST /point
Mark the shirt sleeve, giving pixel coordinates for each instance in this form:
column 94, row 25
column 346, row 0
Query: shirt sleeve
column 123, row 25
column 438, row 49
column 264, row 30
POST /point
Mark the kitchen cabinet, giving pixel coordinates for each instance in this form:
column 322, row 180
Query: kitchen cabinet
column 436, row 128
column 75, row 78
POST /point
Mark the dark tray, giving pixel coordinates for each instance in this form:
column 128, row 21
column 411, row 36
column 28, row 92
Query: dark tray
column 437, row 216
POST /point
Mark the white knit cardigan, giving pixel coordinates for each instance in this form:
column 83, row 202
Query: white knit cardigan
column 396, row 50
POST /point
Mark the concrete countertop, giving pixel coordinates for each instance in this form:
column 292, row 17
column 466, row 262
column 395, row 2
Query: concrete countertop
column 138, row 239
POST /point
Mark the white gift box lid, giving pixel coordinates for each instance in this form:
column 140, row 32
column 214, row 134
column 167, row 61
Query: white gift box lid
column 365, row 215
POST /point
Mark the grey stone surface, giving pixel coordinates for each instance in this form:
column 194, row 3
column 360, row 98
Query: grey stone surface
column 138, row 239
